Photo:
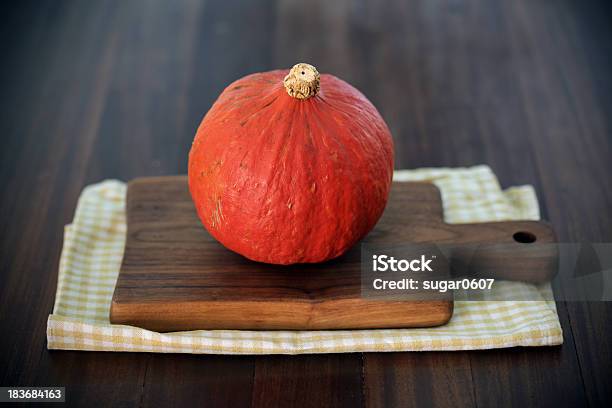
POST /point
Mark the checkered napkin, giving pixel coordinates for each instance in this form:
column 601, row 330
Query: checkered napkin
column 93, row 248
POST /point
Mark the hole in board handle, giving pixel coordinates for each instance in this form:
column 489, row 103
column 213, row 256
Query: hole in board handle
column 524, row 237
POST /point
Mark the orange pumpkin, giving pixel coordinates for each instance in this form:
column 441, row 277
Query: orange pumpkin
column 291, row 167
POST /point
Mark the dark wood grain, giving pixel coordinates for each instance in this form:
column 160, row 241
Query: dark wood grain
column 418, row 379
column 315, row 381
column 94, row 90
column 175, row 276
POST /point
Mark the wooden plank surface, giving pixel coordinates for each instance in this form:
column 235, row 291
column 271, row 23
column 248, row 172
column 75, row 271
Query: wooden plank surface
column 95, row 90
column 175, row 276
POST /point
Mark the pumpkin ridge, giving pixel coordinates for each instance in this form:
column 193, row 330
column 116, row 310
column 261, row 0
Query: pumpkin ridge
column 329, row 219
column 258, row 111
column 314, row 213
column 358, row 162
column 366, row 141
column 271, row 178
column 229, row 106
column 371, row 120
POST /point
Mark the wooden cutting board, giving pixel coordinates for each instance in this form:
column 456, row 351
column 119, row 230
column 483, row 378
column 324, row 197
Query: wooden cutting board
column 175, row 276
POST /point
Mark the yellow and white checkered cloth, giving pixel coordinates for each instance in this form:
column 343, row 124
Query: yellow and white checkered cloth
column 93, row 248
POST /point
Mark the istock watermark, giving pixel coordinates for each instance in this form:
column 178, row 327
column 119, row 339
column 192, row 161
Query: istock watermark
column 525, row 272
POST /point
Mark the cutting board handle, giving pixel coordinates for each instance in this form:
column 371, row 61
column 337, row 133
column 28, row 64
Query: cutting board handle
column 509, row 250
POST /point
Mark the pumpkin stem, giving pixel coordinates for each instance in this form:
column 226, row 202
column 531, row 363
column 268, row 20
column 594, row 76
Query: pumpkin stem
column 302, row 82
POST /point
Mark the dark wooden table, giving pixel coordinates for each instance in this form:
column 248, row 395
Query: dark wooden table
column 96, row 90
